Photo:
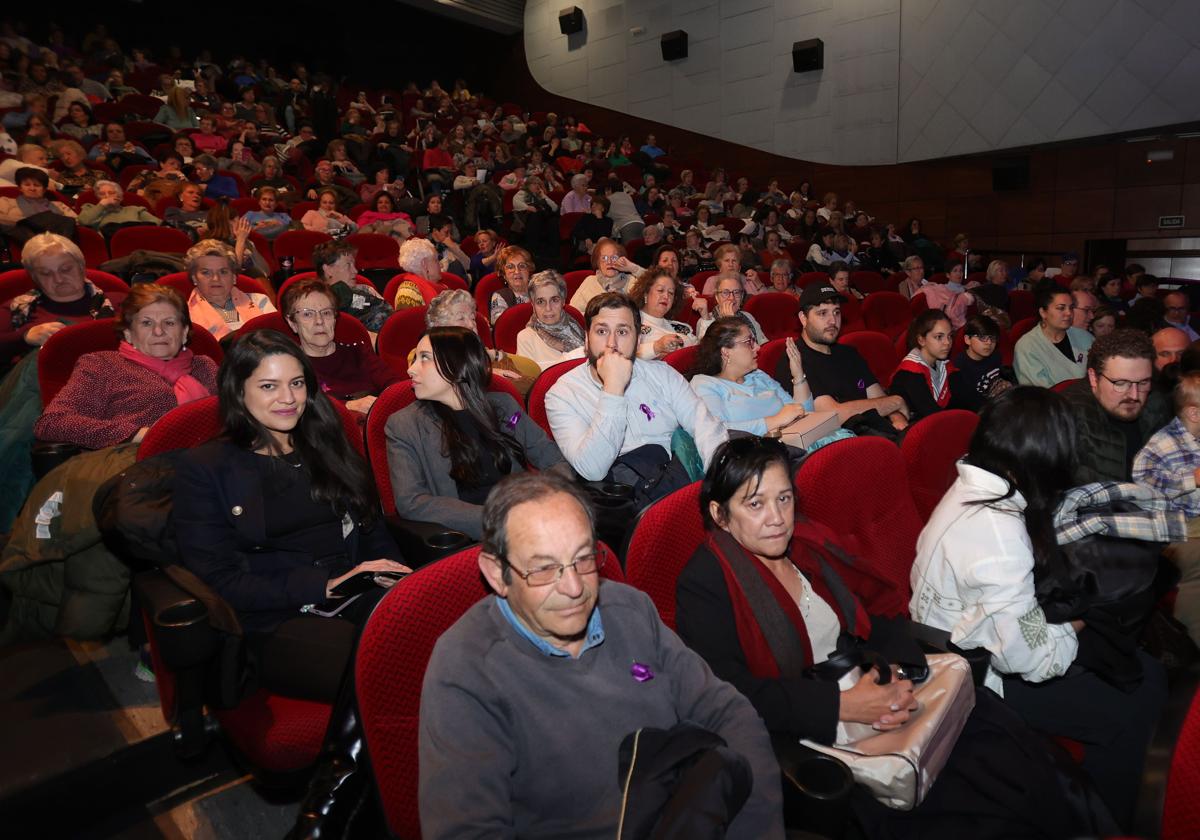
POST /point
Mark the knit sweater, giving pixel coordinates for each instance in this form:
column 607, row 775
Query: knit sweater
column 1099, row 444
column 521, row 744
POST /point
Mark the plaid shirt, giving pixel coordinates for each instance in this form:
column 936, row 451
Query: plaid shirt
column 1088, row 510
column 1168, row 464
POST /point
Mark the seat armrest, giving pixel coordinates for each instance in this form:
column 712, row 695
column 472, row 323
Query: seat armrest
column 178, row 621
column 816, row 788
column 424, row 542
column 46, row 456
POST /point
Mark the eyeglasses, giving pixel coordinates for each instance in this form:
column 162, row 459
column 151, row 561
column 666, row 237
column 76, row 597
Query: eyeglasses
column 552, row 572
column 610, row 258
column 749, row 341
column 311, row 314
column 553, row 301
column 1084, row 308
column 516, row 266
column 730, row 293
column 1121, row 386
column 986, row 339
column 209, row 274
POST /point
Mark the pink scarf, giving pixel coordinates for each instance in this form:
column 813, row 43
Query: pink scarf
column 176, row 371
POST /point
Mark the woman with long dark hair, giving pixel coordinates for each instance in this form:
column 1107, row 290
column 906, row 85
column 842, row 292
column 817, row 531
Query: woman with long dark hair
column 986, row 545
column 449, row 448
column 923, row 377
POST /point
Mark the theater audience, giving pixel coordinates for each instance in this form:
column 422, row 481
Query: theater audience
column 922, row 379
column 781, row 276
column 615, row 416
column 538, row 645
column 613, row 273
column 190, row 215
column 1019, row 467
column 736, row 392
column 515, row 267
column 553, row 335
column 728, row 260
column 351, row 373
column 1053, row 351
column 659, row 296
column 839, row 278
column 216, row 303
column 334, row 263
column 447, row 450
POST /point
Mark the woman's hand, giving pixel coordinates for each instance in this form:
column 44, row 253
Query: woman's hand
column 790, row 413
column 362, row 405
column 141, row 433
column 795, row 360
column 241, row 228
column 369, row 566
column 700, row 306
column 37, row 336
column 667, row 344
column 726, row 308
column 884, row 707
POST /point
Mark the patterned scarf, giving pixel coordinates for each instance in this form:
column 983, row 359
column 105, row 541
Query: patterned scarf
column 562, row 337
column 24, row 306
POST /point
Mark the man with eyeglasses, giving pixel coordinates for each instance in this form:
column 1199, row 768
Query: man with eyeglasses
column 1115, row 409
column 1083, row 309
column 529, row 696
column 1178, row 313
column 1169, row 345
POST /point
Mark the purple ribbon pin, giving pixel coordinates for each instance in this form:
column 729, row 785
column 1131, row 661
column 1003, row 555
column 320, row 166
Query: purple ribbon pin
column 641, row 673
column 861, row 384
column 645, row 409
column 511, row 422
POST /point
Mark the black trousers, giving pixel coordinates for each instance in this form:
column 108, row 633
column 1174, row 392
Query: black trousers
column 307, row 656
column 1115, row 727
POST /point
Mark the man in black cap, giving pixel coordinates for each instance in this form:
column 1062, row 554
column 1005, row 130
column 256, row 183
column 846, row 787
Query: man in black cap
column 838, row 375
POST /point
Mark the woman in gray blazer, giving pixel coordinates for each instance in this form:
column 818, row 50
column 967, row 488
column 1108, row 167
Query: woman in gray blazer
column 449, row 448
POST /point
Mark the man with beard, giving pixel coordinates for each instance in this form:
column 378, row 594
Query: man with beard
column 614, row 417
column 837, row 373
column 1115, row 410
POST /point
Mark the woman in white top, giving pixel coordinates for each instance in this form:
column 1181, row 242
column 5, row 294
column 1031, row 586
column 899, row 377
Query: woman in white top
column 613, row 273
column 659, row 295
column 326, row 218
column 821, row 252
column 977, row 560
column 553, row 335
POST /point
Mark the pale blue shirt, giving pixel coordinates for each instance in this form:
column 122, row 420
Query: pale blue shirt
column 593, row 428
column 595, row 631
column 744, row 406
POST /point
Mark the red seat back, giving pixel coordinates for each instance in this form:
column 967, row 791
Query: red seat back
column 871, row 281
column 700, row 278
column 810, row 278
column 312, row 275
column 776, row 312
column 931, row 448
column 537, row 394
column 428, row 290
column 886, row 312
column 95, row 249
column 488, row 285
column 184, row 427
column 58, row 355
column 770, row 354
column 1021, row 327
column 878, row 351
column 665, row 537
column 859, row 489
column 298, row 244
column 1021, row 305
column 1181, row 809
column 149, row 238
column 683, row 360
column 389, row 670
column 375, row 250
column 574, row 279
column 452, row 281
column 509, row 324
column 399, row 336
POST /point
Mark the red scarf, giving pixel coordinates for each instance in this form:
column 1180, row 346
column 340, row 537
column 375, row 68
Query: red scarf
column 811, row 544
column 177, row 371
column 941, row 397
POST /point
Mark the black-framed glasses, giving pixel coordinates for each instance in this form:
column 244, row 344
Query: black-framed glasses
column 1121, row 386
column 551, row 573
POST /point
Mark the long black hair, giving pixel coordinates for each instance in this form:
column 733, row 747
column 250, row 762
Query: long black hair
column 463, row 362
column 1026, row 436
column 338, row 473
column 735, row 462
column 721, row 335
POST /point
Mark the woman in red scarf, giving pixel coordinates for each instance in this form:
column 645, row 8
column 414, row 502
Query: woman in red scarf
column 768, row 596
column 923, row 377
column 116, row 395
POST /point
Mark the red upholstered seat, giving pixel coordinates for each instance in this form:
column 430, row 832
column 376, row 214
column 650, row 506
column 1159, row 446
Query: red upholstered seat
column 1021, row 305
column 858, row 488
column 776, row 312
column 347, row 329
column 95, row 249
column 18, row 282
column 298, row 244
column 809, row 278
column 312, row 275
column 700, row 278
column 537, row 394
column 509, row 325
column 683, row 359
column 770, row 354
column 665, row 537
column 393, row 654
column 428, row 290
column 375, row 250
column 931, row 448
column 918, row 304
column 452, row 281
column 58, row 355
column 878, row 351
column 488, row 285
column 149, row 238
column 1181, row 810
column 574, row 279
column 886, row 312
column 399, row 336
column 392, row 399
column 1062, row 386
column 188, row 425
column 1019, row 328
column 871, row 281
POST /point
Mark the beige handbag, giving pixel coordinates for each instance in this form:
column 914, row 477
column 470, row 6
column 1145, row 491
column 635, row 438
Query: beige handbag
column 899, row 767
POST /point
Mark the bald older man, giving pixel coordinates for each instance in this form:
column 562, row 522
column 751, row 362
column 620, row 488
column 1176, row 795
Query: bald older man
column 1178, row 313
column 1169, row 344
column 1083, row 309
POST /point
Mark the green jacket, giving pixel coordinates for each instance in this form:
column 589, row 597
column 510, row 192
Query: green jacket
column 1099, row 447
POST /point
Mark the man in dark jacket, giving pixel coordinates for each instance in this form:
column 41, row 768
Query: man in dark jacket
column 1114, row 408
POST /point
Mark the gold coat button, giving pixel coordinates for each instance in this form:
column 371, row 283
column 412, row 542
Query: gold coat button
column 237, row 510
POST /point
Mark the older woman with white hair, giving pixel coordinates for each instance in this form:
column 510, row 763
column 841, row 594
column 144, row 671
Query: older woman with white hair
column 216, row 303
column 577, row 200
column 108, row 213
column 418, row 257
column 456, row 308
column 552, row 335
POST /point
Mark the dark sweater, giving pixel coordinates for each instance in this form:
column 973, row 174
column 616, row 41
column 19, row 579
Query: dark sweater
column 1102, row 447
column 351, row 371
column 521, row 744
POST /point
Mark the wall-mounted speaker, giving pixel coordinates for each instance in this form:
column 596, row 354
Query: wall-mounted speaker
column 674, row 45
column 570, row 20
column 808, row 55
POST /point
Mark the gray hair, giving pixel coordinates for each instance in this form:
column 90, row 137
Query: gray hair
column 517, row 489
column 441, row 304
column 413, row 254
column 994, row 268
column 910, row 262
column 783, row 264
column 46, row 243
column 547, row 278
column 579, row 179
column 209, row 248
column 104, row 183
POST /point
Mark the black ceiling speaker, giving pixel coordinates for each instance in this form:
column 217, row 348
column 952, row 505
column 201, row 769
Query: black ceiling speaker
column 570, row 20
column 674, row 45
column 808, row 55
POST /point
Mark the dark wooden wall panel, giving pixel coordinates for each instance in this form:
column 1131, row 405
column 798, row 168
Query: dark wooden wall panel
column 1138, row 208
column 1133, row 170
column 1190, row 203
column 1086, row 168
column 1083, row 210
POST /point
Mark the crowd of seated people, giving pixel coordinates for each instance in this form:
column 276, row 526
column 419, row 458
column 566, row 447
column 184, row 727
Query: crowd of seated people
column 241, row 159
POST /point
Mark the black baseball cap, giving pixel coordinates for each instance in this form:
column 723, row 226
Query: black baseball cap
column 818, row 293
